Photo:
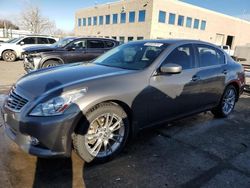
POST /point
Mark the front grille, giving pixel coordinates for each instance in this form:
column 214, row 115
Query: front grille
column 15, row 102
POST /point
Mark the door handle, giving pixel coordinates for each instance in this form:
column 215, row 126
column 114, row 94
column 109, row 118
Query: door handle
column 195, row 78
column 224, row 71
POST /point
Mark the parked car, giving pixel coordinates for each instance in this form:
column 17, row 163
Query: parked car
column 13, row 49
column 96, row 106
column 78, row 49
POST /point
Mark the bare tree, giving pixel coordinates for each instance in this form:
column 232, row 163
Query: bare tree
column 31, row 19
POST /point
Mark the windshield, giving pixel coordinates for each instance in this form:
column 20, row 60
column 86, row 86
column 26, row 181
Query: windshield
column 11, row 40
column 134, row 56
column 62, row 42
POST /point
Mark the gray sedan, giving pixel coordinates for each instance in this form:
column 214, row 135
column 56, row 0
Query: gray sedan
column 97, row 107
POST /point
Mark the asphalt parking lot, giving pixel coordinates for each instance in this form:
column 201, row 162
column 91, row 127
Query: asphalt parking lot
column 199, row 151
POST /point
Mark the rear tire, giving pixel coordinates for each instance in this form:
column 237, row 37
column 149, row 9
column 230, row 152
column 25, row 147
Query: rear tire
column 50, row 63
column 227, row 103
column 108, row 130
column 9, row 56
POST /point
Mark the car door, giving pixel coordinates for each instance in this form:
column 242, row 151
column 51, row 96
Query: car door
column 75, row 51
column 173, row 95
column 95, row 48
column 212, row 73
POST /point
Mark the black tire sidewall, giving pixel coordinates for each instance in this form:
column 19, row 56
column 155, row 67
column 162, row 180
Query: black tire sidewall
column 79, row 140
column 48, row 62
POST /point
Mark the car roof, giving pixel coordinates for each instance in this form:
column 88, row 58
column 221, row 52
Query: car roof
column 173, row 41
column 96, row 38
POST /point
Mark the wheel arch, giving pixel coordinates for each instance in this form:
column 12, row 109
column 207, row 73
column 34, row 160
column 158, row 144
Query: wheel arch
column 236, row 86
column 51, row 58
column 8, row 50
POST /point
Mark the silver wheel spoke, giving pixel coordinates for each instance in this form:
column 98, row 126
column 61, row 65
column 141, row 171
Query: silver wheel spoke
column 96, row 147
column 115, row 126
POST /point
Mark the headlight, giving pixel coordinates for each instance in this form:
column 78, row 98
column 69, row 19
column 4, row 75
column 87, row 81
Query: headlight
column 58, row 105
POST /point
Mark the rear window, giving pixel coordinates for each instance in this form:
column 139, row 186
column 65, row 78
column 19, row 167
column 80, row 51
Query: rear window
column 110, row 44
column 210, row 56
column 52, row 41
column 95, row 44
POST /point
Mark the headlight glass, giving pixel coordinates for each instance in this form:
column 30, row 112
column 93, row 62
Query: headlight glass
column 59, row 104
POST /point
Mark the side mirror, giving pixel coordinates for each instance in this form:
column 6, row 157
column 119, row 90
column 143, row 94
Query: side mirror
column 21, row 43
column 171, row 68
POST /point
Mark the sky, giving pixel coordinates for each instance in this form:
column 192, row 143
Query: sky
column 62, row 11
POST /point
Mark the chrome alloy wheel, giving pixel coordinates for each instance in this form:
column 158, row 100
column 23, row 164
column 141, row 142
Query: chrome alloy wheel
column 9, row 56
column 105, row 135
column 228, row 101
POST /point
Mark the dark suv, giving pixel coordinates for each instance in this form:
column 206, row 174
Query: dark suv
column 67, row 50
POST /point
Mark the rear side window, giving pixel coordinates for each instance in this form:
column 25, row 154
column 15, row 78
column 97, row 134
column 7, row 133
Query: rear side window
column 183, row 56
column 210, row 56
column 52, row 41
column 109, row 44
column 29, row 40
column 95, row 44
column 42, row 40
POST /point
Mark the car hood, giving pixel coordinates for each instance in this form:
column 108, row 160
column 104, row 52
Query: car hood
column 51, row 79
column 38, row 49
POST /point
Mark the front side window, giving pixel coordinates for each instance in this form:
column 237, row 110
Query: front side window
column 109, row 44
column 210, row 56
column 196, row 23
column 182, row 56
column 131, row 17
column 95, row 44
column 180, row 20
column 115, row 18
column 130, row 38
column 203, row 25
column 162, row 17
column 107, row 19
column 78, row 45
column 29, row 40
column 52, row 41
column 89, row 21
column 142, row 16
column 133, row 56
column 100, row 20
column 94, row 20
column 189, row 22
column 123, row 17
column 171, row 19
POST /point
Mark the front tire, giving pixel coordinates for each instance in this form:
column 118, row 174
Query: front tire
column 227, row 102
column 108, row 130
column 50, row 63
column 9, row 56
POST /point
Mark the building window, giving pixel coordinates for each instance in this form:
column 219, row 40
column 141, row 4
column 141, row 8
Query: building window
column 100, row 20
column 131, row 17
column 130, row 39
column 84, row 21
column 189, row 22
column 123, row 17
column 142, row 16
column 180, row 20
column 79, row 22
column 94, row 20
column 203, row 25
column 89, row 21
column 196, row 23
column 114, row 37
column 122, row 40
column 107, row 19
column 171, row 19
column 162, row 17
column 140, row 38
column 115, row 18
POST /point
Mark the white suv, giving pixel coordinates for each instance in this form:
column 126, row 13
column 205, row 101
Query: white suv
column 12, row 50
